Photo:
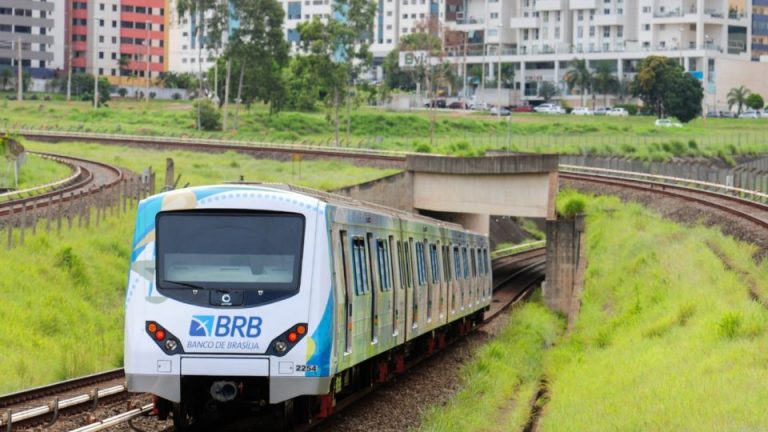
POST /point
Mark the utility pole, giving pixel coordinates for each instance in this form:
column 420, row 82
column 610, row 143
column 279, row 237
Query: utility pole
column 69, row 74
column 149, row 43
column 19, row 76
column 95, row 88
column 498, row 81
column 239, row 93
column 464, row 87
column 226, row 93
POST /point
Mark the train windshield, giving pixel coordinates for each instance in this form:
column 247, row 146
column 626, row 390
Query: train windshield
column 229, row 250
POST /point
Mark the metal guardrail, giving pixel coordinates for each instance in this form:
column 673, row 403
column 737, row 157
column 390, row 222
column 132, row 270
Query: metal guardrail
column 498, row 253
column 747, row 194
column 36, row 190
column 213, row 142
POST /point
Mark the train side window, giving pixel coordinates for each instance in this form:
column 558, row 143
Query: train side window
column 446, row 263
column 457, row 262
column 401, row 264
column 434, row 266
column 486, row 270
column 408, row 265
column 421, row 263
column 465, row 260
column 359, row 265
column 382, row 258
column 473, row 254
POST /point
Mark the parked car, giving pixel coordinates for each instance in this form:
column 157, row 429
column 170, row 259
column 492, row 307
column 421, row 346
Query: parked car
column 582, row 111
column 436, row 103
column 557, row 109
column 602, row 110
column 522, row 108
column 750, row 114
column 544, row 108
column 479, row 107
column 727, row 114
column 713, row 114
column 667, row 123
column 458, row 105
column 617, row 112
column 500, row 111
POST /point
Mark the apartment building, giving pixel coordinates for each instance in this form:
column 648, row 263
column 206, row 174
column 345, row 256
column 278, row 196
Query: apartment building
column 184, row 41
column 123, row 40
column 35, row 26
column 759, row 29
column 710, row 38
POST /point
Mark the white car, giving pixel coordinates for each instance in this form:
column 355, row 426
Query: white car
column 582, row 111
column 543, row 108
column 617, row 112
column 750, row 114
column 667, row 123
column 557, row 109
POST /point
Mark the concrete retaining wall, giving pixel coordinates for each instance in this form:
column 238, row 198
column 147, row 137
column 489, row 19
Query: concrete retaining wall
column 565, row 265
column 393, row 191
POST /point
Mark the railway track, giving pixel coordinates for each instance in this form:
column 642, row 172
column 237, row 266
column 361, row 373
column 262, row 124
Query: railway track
column 733, row 201
column 88, row 177
column 514, row 277
column 275, row 150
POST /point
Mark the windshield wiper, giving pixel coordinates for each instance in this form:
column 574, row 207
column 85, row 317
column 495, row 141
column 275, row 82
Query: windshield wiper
column 188, row 285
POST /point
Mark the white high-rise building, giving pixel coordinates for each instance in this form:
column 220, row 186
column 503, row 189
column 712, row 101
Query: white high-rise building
column 35, row 26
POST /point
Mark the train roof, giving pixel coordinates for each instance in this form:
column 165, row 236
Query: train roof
column 340, row 200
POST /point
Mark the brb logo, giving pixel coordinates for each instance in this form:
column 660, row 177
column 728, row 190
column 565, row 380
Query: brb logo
column 225, row 326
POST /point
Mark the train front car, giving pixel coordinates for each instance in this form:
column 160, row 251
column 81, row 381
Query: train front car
column 228, row 300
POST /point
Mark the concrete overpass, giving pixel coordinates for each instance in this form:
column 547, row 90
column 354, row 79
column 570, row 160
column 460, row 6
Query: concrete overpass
column 468, row 190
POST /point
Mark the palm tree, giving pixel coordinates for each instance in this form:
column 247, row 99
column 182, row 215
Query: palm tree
column 604, row 81
column 738, row 96
column 579, row 77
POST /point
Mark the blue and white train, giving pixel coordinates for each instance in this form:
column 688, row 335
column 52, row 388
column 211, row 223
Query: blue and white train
column 287, row 299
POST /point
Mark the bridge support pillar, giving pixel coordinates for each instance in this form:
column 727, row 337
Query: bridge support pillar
column 565, row 265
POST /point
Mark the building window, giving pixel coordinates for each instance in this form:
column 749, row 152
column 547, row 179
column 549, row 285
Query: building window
column 646, row 9
column 620, row 31
column 101, row 6
column 606, row 32
column 646, row 27
column 591, row 31
column 101, row 54
column 580, row 32
column 494, row 15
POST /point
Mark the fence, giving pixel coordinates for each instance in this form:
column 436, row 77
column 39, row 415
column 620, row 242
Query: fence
column 78, row 208
column 747, row 176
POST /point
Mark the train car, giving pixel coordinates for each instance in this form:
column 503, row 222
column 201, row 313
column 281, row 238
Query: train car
column 285, row 300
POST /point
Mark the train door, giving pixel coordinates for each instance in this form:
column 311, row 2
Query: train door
column 409, row 291
column 395, row 252
column 466, row 290
column 473, row 268
column 384, row 267
column 347, row 290
column 374, row 288
column 458, row 285
column 445, row 289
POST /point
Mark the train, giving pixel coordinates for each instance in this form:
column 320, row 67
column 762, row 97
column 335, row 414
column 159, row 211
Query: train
column 283, row 300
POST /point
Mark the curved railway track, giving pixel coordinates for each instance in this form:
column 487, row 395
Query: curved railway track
column 89, row 176
column 514, row 277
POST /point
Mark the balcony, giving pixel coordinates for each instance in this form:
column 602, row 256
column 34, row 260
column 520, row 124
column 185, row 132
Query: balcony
column 609, row 20
column 523, row 22
column 548, row 5
column 585, row 4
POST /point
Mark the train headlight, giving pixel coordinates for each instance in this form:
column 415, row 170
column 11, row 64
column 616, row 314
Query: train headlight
column 164, row 339
column 171, row 345
column 286, row 341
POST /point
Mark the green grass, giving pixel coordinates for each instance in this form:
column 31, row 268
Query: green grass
column 205, row 168
column 35, row 171
column 668, row 338
column 62, row 296
column 499, row 383
column 456, row 132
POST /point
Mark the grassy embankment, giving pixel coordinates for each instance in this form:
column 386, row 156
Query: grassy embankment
column 62, row 297
column 668, row 338
column 456, row 132
column 35, row 171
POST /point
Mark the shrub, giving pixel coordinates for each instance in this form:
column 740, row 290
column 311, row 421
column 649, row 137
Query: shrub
column 755, row 101
column 152, row 95
column 33, row 97
column 176, row 96
column 210, row 117
column 573, row 206
column 122, row 91
column 729, row 325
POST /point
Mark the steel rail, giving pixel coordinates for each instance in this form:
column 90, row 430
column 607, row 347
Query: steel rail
column 115, row 420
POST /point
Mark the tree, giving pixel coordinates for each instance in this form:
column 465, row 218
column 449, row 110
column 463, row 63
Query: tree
column 579, row 77
column 339, row 50
column 547, row 90
column 755, row 101
column 210, row 117
column 667, row 89
column 5, row 76
column 738, row 96
column 184, row 80
column 122, row 63
column 603, row 80
column 685, row 96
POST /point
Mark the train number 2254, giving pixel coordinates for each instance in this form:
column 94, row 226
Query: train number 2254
column 306, row 368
